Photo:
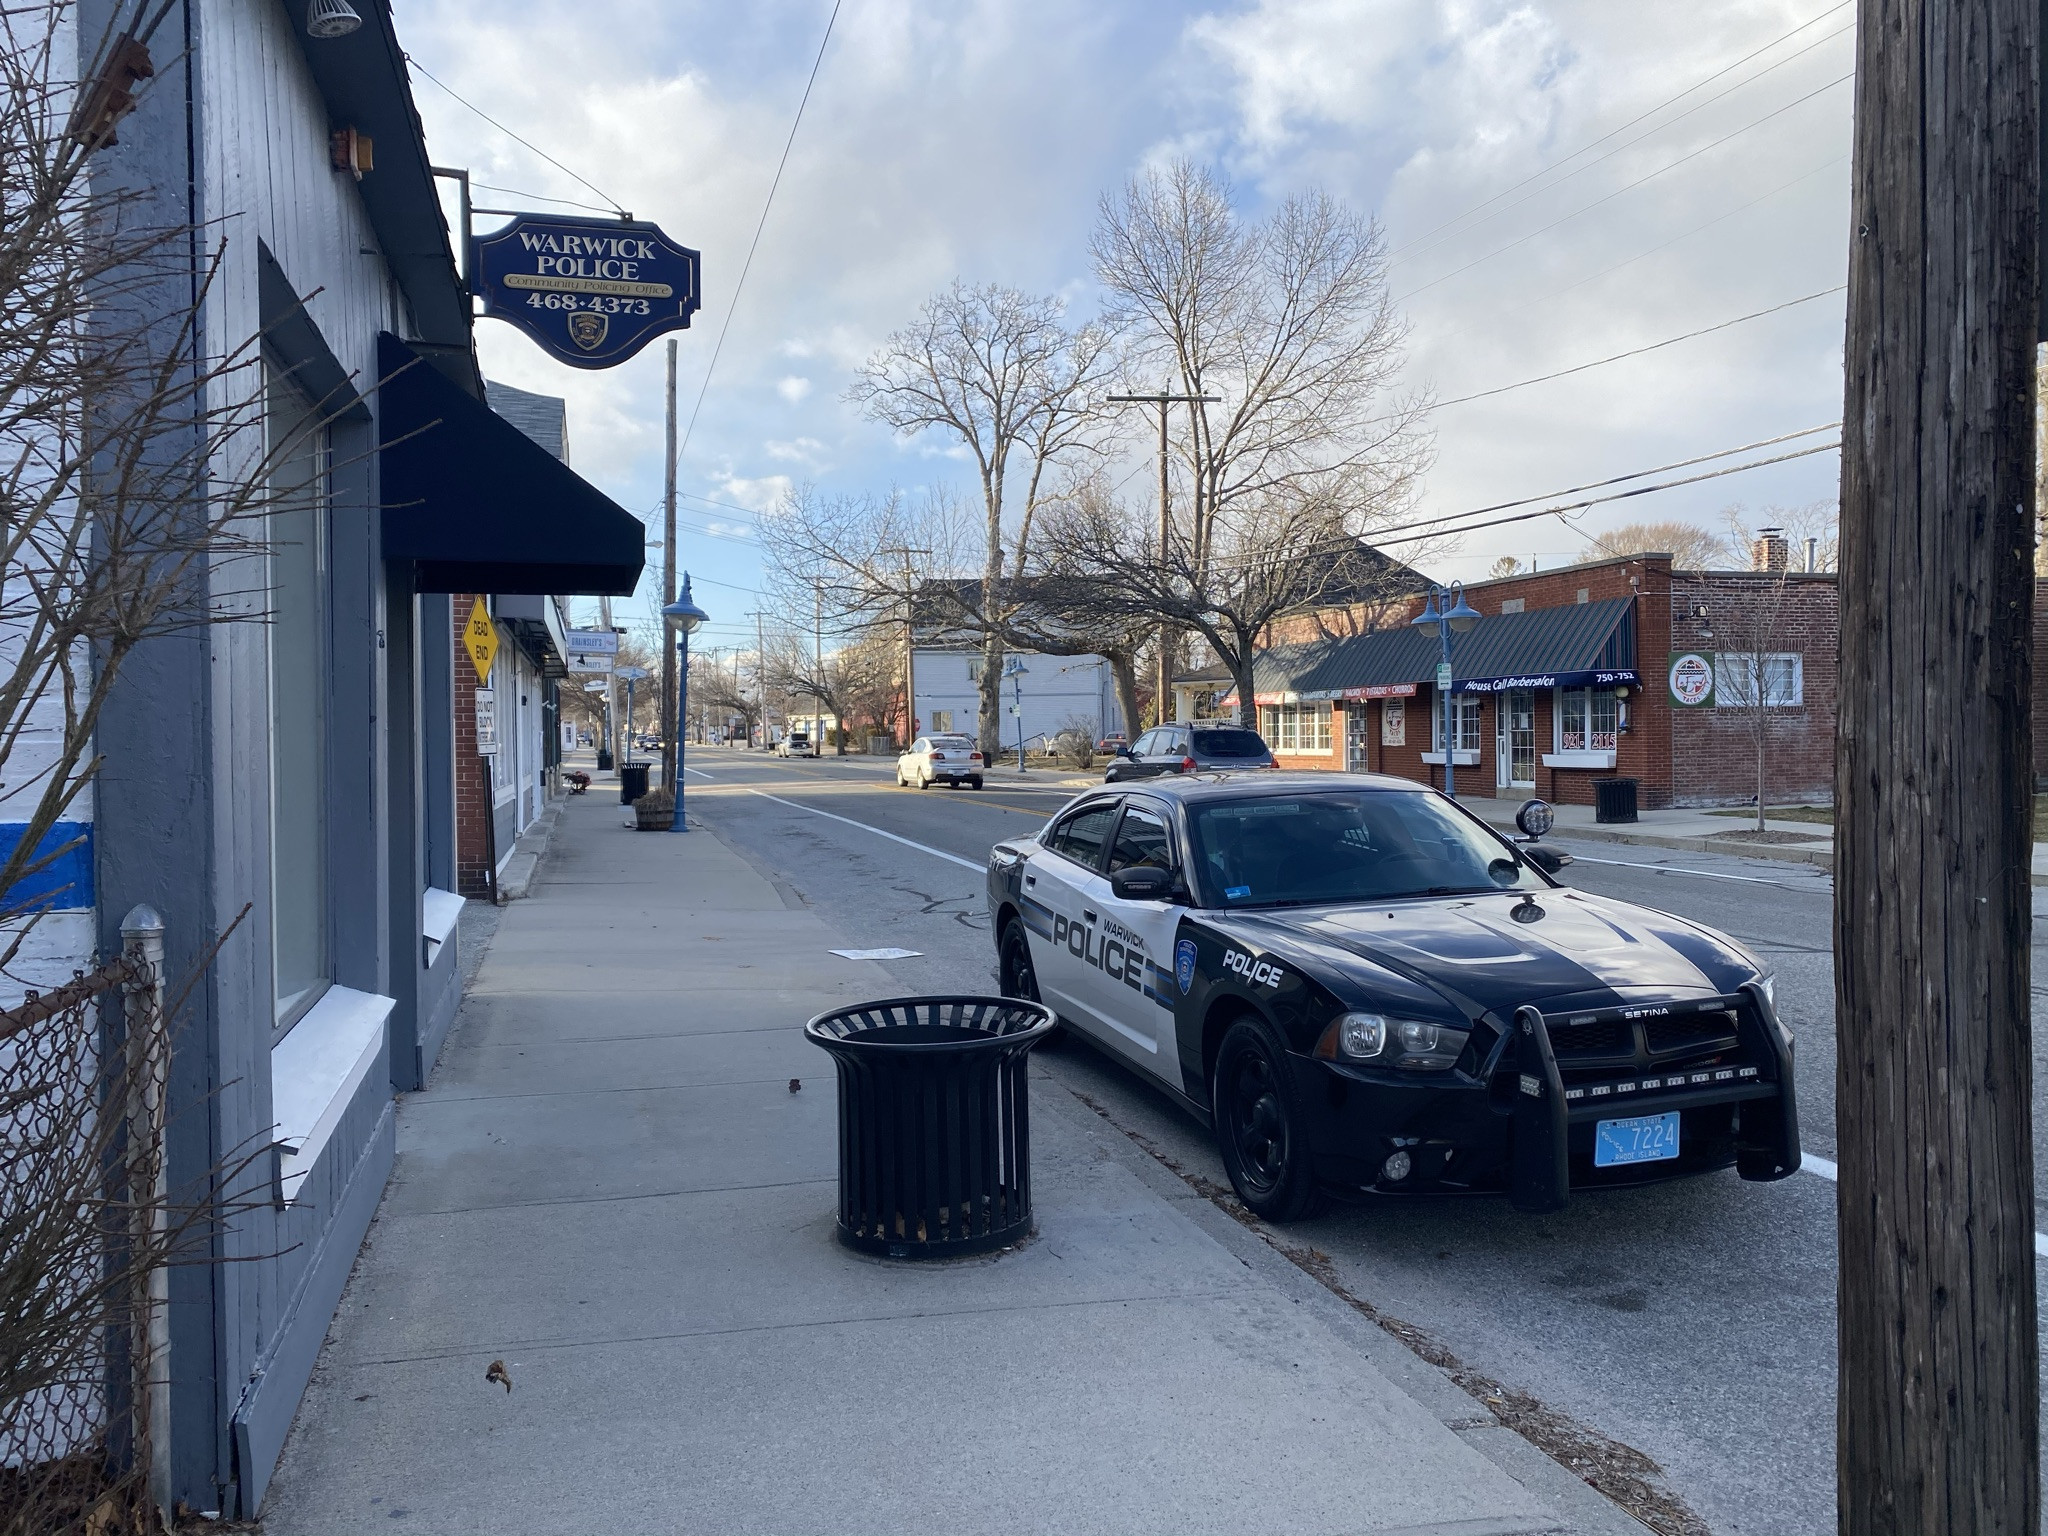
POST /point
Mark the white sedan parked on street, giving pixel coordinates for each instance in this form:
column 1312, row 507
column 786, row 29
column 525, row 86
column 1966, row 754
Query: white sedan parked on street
column 955, row 759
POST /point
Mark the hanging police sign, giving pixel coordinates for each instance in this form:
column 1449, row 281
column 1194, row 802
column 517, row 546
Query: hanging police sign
column 592, row 292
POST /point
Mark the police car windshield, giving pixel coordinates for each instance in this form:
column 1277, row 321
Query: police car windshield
column 1338, row 846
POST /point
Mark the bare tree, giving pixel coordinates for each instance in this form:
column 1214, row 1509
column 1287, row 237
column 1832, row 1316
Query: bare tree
column 1001, row 372
column 1290, row 323
column 847, row 682
column 1285, row 552
column 1818, row 521
column 1506, row 565
column 1691, row 547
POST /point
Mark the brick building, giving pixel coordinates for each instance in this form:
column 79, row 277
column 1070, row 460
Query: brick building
column 1575, row 675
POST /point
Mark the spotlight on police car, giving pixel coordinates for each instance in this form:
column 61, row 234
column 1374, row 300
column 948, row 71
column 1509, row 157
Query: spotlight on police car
column 1535, row 818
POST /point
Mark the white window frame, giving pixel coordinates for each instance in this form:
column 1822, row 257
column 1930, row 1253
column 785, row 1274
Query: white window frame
column 1590, row 751
column 1465, row 710
column 1299, row 730
column 1784, row 679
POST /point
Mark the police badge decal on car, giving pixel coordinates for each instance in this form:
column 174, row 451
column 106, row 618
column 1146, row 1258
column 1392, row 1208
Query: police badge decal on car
column 1184, row 965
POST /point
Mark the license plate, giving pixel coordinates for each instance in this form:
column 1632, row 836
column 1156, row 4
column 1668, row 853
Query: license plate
column 1639, row 1139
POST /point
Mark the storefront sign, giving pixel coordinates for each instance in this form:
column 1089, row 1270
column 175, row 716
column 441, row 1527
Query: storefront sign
column 1612, row 678
column 594, row 642
column 591, row 292
column 595, row 666
column 1692, row 678
column 487, row 722
column 1394, row 723
column 1380, row 691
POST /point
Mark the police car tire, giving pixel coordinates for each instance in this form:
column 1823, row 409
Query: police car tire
column 1288, row 1191
column 1014, row 939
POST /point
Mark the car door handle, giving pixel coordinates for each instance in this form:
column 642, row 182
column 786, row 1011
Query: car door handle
column 1031, row 879
column 1087, row 914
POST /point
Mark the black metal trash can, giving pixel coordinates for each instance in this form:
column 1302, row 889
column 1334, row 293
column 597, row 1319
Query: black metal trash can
column 1614, row 799
column 632, row 781
column 604, row 760
column 934, row 1122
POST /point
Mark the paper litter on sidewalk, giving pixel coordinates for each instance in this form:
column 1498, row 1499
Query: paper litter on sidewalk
column 877, row 954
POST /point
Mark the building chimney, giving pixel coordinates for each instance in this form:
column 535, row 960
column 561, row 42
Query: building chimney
column 1772, row 551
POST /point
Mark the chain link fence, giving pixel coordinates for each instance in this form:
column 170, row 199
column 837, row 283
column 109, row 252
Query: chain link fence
column 86, row 1232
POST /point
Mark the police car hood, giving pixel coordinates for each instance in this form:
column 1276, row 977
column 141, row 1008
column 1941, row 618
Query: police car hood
column 1497, row 952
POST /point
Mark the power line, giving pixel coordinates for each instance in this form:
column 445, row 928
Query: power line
column 1630, row 187
column 551, row 160
column 748, row 265
column 1623, row 128
column 1499, row 315
column 1638, row 351
column 1426, row 238
column 566, row 202
column 1594, row 501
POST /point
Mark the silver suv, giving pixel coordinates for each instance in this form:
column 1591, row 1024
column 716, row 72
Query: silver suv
column 1190, row 748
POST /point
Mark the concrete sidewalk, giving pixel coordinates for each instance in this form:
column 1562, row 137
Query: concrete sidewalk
column 1700, row 831
column 610, row 1187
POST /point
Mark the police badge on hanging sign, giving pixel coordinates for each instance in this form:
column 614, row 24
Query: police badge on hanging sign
column 592, row 292
column 1184, row 965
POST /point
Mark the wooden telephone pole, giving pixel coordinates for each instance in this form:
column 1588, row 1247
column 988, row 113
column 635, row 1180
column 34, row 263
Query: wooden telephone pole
column 1938, row 1409
column 1166, row 401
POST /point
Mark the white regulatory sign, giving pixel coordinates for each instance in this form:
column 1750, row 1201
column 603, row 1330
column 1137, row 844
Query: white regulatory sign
column 487, row 722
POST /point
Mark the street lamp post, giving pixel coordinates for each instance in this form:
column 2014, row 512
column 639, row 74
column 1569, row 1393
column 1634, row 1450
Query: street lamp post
column 1015, row 671
column 1446, row 610
column 682, row 616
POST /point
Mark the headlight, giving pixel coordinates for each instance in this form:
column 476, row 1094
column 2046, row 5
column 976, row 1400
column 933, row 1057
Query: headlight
column 1414, row 1044
column 1770, row 986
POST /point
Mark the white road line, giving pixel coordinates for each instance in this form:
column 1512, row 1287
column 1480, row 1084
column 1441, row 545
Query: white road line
column 1820, row 1166
column 937, row 853
column 1675, row 869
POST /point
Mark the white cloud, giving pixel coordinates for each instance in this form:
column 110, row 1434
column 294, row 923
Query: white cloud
column 975, row 139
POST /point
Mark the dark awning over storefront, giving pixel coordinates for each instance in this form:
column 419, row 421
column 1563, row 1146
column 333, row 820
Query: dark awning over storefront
column 480, row 506
column 1576, row 645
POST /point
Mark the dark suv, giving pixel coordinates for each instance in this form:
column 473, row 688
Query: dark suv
column 1190, row 748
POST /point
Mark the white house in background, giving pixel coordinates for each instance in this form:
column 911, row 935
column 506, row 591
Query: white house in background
column 1055, row 691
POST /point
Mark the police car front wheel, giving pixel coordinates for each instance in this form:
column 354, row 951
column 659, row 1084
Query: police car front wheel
column 1261, row 1129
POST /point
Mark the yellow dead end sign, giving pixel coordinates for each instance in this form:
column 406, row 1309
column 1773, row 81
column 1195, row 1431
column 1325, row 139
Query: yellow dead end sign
column 480, row 639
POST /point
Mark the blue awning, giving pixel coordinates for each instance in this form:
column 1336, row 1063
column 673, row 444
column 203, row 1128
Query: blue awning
column 481, row 507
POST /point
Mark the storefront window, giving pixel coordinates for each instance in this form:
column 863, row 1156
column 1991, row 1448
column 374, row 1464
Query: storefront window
column 298, row 662
column 1587, row 720
column 1465, row 715
column 1295, row 727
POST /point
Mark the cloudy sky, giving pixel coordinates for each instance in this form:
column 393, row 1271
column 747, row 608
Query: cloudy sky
column 974, row 137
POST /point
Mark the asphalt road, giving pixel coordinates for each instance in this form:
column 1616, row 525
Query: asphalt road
column 1692, row 1321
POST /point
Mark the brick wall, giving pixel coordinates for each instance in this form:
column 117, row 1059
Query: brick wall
column 473, row 793
column 1713, row 750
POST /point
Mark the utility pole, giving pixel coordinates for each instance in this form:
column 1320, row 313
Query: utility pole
column 611, row 686
column 1166, row 401
column 818, row 673
column 1937, row 1412
column 671, row 727
column 761, row 675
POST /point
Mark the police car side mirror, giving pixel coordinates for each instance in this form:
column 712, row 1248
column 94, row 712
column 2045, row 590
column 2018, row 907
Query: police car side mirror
column 1546, row 858
column 1141, row 882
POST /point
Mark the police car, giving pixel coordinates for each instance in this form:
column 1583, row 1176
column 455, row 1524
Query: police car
column 1362, row 987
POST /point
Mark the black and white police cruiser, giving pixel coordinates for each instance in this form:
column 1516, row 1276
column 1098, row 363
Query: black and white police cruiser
column 1362, row 987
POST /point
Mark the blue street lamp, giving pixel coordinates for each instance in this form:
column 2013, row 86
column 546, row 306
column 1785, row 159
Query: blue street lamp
column 682, row 615
column 1015, row 672
column 1444, row 611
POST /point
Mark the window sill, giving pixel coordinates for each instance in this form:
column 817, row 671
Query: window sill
column 1578, row 759
column 315, row 1072
column 1459, row 760
column 441, row 911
